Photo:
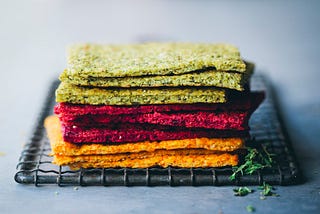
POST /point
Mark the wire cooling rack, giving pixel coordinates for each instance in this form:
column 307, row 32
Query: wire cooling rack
column 35, row 165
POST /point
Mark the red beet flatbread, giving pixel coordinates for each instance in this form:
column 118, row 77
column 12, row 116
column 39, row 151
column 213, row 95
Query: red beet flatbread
column 124, row 133
column 210, row 120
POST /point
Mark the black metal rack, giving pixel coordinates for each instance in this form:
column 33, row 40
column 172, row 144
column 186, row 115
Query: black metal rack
column 35, row 165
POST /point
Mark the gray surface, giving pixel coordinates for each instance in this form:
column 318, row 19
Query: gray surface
column 281, row 37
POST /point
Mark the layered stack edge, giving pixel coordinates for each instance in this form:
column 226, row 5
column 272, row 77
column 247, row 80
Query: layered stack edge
column 155, row 104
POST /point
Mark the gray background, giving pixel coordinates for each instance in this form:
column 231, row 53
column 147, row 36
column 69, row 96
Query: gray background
column 281, row 37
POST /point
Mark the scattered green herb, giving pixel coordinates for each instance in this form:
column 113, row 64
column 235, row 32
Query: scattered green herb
column 267, row 190
column 250, row 209
column 253, row 161
column 242, row 191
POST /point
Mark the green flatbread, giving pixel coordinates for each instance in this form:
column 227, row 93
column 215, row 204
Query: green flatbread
column 230, row 80
column 150, row 59
column 137, row 96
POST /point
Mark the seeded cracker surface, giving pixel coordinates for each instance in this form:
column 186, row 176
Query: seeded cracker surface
column 109, row 96
column 93, row 60
column 222, row 79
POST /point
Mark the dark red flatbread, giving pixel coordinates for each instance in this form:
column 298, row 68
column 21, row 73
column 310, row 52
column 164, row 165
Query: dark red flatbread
column 124, row 133
column 248, row 101
column 213, row 120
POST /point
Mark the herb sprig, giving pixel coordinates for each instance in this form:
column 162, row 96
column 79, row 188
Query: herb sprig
column 253, row 161
column 267, row 190
column 242, row 191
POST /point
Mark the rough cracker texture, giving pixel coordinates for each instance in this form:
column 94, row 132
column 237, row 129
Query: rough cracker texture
column 243, row 102
column 98, row 96
column 60, row 147
column 122, row 133
column 230, row 80
column 94, row 60
column 209, row 120
column 186, row 158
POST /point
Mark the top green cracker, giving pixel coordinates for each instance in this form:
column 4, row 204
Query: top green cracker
column 149, row 59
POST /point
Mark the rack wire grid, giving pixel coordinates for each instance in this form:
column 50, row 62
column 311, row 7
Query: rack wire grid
column 35, row 163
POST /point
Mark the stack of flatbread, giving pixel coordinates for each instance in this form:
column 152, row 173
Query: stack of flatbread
column 154, row 104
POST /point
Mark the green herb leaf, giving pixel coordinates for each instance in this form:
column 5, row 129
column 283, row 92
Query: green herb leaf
column 242, row 191
column 253, row 161
column 250, row 209
column 267, row 190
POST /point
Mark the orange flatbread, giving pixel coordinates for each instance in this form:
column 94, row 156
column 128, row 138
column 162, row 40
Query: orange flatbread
column 164, row 158
column 187, row 153
column 60, row 147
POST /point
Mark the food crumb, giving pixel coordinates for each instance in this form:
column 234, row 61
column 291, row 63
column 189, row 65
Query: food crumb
column 75, row 188
column 250, row 209
column 262, row 197
column 2, row 154
column 56, row 193
column 242, row 191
